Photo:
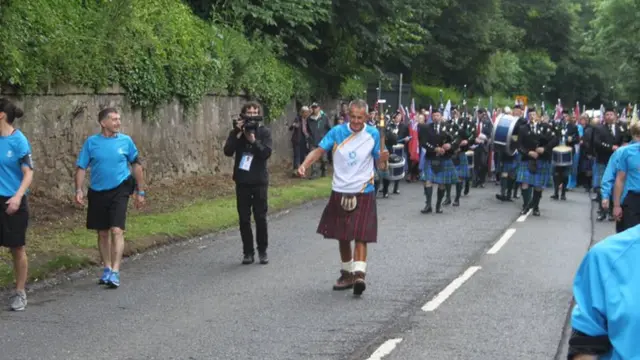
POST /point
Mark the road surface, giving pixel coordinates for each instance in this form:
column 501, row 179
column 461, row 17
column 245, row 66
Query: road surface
column 478, row 282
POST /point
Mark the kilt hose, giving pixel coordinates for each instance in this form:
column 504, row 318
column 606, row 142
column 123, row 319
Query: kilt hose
column 360, row 224
column 540, row 179
column 462, row 166
column 446, row 175
column 598, row 173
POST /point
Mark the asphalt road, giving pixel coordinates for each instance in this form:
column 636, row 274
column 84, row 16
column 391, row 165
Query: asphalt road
column 195, row 300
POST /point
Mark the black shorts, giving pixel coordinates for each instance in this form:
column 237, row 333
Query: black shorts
column 13, row 228
column 108, row 208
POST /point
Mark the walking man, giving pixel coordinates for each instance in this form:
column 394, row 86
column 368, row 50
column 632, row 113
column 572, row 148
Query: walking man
column 109, row 155
column 351, row 213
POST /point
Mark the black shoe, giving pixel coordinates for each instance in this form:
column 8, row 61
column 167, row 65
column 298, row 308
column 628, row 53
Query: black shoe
column 563, row 197
column 385, row 195
column 554, row 197
column 601, row 216
column 247, row 259
column 397, row 192
column 439, row 210
column 446, row 202
column 264, row 260
column 500, row 197
column 524, row 211
column 427, row 210
column 536, row 212
column 456, row 203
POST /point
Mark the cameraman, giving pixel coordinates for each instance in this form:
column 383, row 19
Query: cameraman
column 250, row 141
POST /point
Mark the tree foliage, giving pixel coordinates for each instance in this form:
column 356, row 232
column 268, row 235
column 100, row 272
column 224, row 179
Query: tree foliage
column 306, row 49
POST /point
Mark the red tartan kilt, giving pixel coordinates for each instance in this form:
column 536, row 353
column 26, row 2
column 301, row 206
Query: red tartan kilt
column 360, row 224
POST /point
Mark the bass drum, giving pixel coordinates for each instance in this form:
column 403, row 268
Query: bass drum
column 502, row 133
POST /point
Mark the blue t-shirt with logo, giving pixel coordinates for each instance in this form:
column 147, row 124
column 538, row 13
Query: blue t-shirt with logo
column 15, row 152
column 109, row 159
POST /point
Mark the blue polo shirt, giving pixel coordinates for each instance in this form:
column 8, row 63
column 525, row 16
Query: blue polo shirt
column 15, row 152
column 609, row 177
column 109, row 159
column 607, row 294
column 629, row 163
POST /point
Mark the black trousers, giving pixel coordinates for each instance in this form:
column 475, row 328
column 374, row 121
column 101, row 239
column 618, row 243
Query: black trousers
column 630, row 211
column 252, row 198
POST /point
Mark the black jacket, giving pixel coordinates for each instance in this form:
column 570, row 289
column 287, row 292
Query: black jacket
column 544, row 136
column 258, row 173
column 394, row 133
column 430, row 139
column 604, row 140
column 571, row 133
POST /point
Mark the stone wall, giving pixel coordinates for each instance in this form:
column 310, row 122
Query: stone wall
column 174, row 145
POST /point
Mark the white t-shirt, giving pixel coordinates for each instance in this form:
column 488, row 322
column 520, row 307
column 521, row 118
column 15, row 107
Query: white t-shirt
column 354, row 154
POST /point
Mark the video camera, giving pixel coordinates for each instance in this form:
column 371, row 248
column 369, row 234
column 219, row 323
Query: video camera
column 250, row 124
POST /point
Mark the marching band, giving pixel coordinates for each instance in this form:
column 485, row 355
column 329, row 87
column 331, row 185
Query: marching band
column 531, row 152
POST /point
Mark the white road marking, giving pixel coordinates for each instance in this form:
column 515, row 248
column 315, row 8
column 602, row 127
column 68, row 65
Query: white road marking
column 448, row 291
column 522, row 218
column 385, row 349
column 503, row 240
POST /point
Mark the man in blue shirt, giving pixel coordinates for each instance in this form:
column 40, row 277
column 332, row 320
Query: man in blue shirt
column 605, row 319
column 109, row 155
column 608, row 181
column 16, row 174
column 626, row 195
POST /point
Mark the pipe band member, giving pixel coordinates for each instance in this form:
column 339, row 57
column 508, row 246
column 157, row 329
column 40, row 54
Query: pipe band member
column 536, row 141
column 351, row 213
column 108, row 154
column 16, row 175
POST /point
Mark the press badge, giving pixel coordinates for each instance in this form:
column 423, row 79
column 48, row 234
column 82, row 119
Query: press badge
column 245, row 162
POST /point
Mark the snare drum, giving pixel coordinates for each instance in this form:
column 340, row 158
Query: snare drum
column 398, row 150
column 396, row 168
column 470, row 155
column 562, row 156
column 502, row 132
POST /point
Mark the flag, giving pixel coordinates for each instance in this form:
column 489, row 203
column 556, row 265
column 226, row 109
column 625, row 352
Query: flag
column 447, row 111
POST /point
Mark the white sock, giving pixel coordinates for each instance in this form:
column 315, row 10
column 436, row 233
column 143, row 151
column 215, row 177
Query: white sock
column 360, row 266
column 348, row 266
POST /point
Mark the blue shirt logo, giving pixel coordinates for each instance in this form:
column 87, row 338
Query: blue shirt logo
column 352, row 158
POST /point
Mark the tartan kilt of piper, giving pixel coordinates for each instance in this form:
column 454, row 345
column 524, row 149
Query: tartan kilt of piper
column 447, row 174
column 462, row 169
column 541, row 179
column 598, row 173
column 510, row 167
column 360, row 224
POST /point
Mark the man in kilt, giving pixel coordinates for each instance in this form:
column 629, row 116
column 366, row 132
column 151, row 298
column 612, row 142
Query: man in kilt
column 440, row 144
column 351, row 212
column 567, row 133
column 465, row 131
column 535, row 142
column 509, row 163
column 607, row 138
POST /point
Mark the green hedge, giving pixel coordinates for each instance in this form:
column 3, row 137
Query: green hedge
column 425, row 94
column 156, row 49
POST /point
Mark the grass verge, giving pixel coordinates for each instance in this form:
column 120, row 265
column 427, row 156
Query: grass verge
column 72, row 249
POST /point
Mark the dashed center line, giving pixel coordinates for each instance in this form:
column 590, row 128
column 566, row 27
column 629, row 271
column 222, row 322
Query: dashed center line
column 522, row 218
column 449, row 290
column 503, row 240
column 385, row 349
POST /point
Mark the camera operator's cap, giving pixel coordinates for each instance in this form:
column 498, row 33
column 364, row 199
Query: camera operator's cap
column 314, row 105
